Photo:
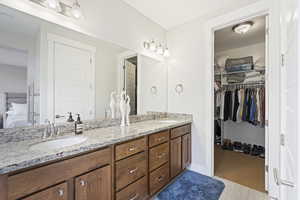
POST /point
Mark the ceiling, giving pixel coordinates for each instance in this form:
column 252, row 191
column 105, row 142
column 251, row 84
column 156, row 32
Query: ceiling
column 227, row 39
column 171, row 13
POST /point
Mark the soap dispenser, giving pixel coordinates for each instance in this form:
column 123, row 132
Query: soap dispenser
column 70, row 118
column 78, row 125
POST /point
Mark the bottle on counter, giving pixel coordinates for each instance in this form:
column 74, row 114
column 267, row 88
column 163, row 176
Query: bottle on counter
column 78, row 125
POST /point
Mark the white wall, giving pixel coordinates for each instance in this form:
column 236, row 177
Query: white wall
column 256, row 50
column 13, row 79
column 152, row 73
column 244, row 132
column 111, row 20
column 106, row 62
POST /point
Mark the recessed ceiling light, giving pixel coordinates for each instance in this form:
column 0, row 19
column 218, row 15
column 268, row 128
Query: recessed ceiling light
column 243, row 28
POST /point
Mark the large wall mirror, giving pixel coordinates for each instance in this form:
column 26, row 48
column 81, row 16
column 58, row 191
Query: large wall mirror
column 47, row 71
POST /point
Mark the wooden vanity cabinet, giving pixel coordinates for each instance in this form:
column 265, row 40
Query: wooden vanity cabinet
column 95, row 185
column 131, row 170
column 59, row 192
column 180, row 149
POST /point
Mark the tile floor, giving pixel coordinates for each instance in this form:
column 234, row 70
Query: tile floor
column 234, row 191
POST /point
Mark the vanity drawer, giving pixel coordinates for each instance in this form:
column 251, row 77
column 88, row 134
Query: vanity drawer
column 158, row 138
column 158, row 156
column 130, row 170
column 129, row 148
column 159, row 178
column 135, row 191
column 182, row 130
column 59, row 192
column 34, row 180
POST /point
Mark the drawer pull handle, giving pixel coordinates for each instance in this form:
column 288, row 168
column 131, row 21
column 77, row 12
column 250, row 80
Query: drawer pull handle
column 131, row 149
column 61, row 192
column 159, row 179
column 134, row 197
column 133, row 170
column 82, row 183
column 160, row 139
column 159, row 156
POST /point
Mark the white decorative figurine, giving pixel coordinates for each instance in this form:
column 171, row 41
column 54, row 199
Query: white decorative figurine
column 127, row 110
column 123, row 107
column 113, row 105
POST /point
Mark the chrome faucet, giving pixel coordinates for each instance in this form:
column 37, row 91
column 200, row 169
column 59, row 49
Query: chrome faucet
column 47, row 131
column 50, row 130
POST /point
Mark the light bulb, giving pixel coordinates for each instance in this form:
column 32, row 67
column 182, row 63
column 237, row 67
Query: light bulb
column 166, row 52
column 152, row 45
column 160, row 50
column 52, row 4
column 76, row 10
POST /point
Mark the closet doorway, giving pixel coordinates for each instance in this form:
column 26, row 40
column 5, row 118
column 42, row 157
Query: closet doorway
column 240, row 106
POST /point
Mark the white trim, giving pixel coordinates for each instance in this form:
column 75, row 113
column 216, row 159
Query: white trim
column 52, row 39
column 243, row 14
column 72, row 43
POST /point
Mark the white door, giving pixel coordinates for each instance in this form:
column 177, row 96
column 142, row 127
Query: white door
column 288, row 173
column 71, row 80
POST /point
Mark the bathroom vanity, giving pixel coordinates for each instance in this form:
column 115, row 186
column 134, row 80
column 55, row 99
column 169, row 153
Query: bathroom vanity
column 130, row 163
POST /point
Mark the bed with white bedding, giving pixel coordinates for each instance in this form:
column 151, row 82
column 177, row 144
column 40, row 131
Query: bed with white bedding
column 15, row 114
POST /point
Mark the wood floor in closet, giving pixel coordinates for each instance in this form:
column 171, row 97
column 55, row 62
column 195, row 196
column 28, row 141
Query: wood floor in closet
column 240, row 168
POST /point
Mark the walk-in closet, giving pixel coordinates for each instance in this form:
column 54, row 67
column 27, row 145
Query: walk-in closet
column 240, row 96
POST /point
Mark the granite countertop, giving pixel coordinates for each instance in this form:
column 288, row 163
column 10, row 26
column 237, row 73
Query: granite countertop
column 18, row 155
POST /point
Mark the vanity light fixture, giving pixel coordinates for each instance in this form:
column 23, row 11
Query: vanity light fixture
column 69, row 10
column 76, row 10
column 166, row 52
column 159, row 49
column 243, row 28
column 53, row 4
column 152, row 45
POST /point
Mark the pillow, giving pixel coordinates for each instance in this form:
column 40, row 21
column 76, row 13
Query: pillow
column 19, row 109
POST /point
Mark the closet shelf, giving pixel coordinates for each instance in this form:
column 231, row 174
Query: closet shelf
column 237, row 72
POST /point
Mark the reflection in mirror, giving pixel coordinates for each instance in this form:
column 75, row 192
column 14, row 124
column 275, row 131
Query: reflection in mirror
column 48, row 71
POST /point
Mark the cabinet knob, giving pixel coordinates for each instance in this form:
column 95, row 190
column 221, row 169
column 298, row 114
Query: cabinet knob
column 160, row 139
column 133, row 170
column 61, row 192
column 82, row 183
column 159, row 156
column 159, row 179
column 131, row 149
column 134, row 197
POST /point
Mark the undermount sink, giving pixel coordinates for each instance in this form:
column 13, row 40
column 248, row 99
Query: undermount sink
column 59, row 143
column 168, row 121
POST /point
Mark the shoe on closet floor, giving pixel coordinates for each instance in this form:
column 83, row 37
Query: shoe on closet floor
column 246, row 148
column 261, row 150
column 237, row 147
column 255, row 151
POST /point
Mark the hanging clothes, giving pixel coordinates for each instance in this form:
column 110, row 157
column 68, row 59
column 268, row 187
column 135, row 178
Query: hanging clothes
column 244, row 105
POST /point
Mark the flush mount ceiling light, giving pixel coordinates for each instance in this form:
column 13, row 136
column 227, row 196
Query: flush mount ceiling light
column 243, row 28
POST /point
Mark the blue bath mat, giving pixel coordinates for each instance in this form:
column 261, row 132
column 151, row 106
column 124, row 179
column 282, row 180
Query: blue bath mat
column 193, row 186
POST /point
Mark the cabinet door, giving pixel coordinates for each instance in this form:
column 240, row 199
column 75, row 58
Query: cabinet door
column 186, row 150
column 95, row 185
column 58, row 192
column 175, row 156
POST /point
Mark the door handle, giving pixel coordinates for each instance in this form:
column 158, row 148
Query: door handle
column 278, row 181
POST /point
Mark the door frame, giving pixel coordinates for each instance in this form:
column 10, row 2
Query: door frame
column 52, row 39
column 273, row 75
